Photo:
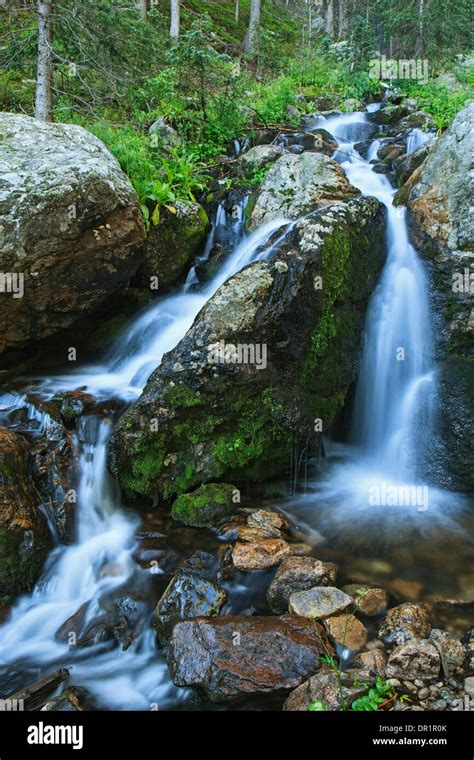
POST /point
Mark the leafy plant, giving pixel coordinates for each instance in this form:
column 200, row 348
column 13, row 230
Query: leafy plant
column 377, row 695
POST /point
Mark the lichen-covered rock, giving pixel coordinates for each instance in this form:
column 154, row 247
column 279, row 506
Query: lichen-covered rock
column 298, row 574
column 71, row 229
column 259, row 156
column 415, row 659
column 206, row 505
column 186, row 596
column 24, row 535
column 296, row 185
column 319, row 602
column 405, row 622
column 297, row 320
column 440, row 197
column 230, row 657
column 259, row 555
column 173, row 244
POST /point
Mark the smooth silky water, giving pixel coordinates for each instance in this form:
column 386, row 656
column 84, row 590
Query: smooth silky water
column 394, row 411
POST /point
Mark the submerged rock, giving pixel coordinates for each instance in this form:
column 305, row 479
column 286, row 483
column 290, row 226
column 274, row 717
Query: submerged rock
column 71, row 227
column 231, row 657
column 405, row 622
column 173, row 244
column 296, row 185
column 274, row 349
column 298, row 574
column 24, row 535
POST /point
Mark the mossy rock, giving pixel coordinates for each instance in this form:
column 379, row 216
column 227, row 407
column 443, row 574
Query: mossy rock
column 173, row 244
column 207, row 505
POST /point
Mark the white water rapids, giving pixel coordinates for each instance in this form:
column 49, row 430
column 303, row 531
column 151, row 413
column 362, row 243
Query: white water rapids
column 395, row 406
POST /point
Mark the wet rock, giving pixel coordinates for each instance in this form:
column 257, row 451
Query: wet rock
column 416, row 659
column 235, row 656
column 67, row 701
column 325, row 687
column 391, row 151
column 419, row 119
column 323, row 141
column 24, row 536
column 71, row 226
column 296, row 185
column 318, row 602
column 347, row 631
column 260, row 554
column 405, row 622
column 249, row 533
column 374, row 661
column 36, row 694
column 363, row 148
column 173, row 244
column 263, row 518
column 298, row 574
column 408, row 164
column 186, row 596
column 439, row 196
column 389, row 115
column 205, row 506
column 73, row 404
column 235, row 420
column 369, row 601
column 450, row 650
column 406, row 590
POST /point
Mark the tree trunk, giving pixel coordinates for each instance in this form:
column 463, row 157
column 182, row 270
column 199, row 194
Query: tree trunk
column 342, row 19
column 329, row 22
column 420, row 42
column 254, row 23
column 174, row 24
column 44, row 99
column 143, row 9
column 236, row 10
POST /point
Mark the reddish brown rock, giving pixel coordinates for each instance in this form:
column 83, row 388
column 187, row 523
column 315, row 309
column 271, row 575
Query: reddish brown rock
column 347, row 631
column 298, row 574
column 234, row 656
column 259, row 555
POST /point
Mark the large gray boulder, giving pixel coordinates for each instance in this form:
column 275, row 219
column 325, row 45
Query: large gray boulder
column 440, row 198
column 70, row 227
column 276, row 348
column 298, row 184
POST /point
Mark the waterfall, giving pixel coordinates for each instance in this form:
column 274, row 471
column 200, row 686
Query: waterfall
column 100, row 561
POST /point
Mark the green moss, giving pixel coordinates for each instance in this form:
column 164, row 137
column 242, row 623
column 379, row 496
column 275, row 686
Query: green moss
column 205, row 506
column 105, row 335
column 180, row 396
column 18, row 570
column 144, row 467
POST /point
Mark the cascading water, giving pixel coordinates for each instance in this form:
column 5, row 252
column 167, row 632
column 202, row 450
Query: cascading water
column 394, row 410
column 77, row 575
column 396, row 395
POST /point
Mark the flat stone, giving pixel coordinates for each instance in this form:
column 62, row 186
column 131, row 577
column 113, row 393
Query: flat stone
column 318, row 602
column 369, row 601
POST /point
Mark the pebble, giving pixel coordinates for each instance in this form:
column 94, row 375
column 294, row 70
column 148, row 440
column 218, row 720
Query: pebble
column 440, row 704
column 424, row 693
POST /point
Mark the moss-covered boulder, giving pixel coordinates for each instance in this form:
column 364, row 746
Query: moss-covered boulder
column 207, row 505
column 24, row 536
column 264, row 368
column 172, row 244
